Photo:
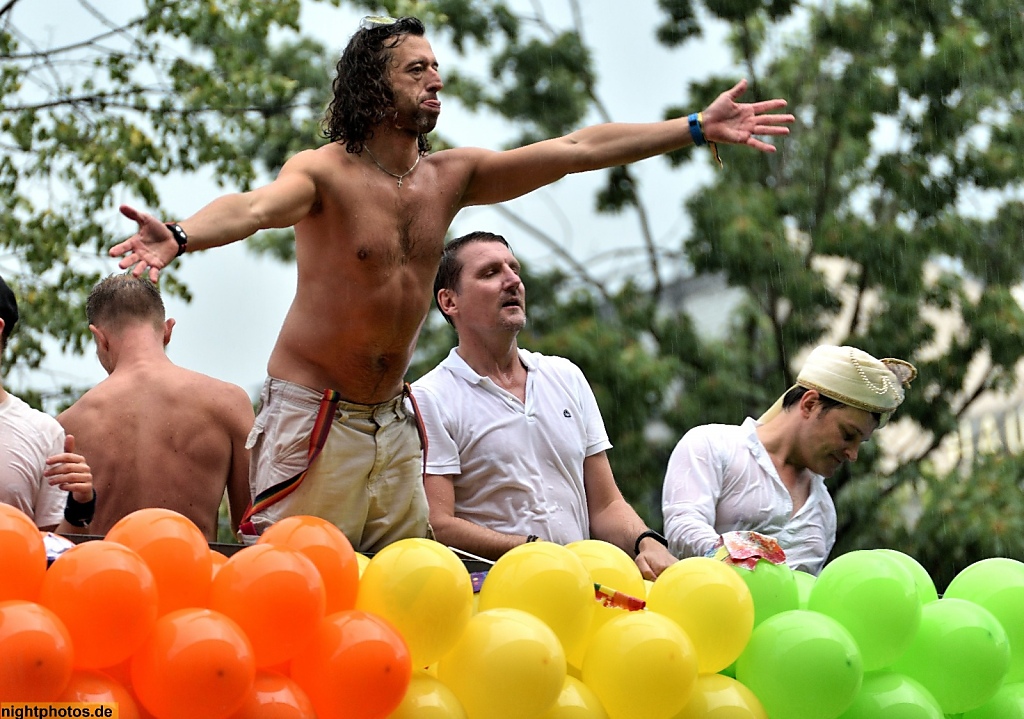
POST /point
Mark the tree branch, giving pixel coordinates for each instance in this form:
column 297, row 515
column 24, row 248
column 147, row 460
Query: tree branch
column 602, row 111
column 824, row 190
column 858, row 302
column 555, row 247
column 44, row 54
column 7, row 7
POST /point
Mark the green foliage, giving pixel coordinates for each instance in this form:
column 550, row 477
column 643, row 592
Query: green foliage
column 889, row 219
column 99, row 119
column 947, row 522
column 861, row 230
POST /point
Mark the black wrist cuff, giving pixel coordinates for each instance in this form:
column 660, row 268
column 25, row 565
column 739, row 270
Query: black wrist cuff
column 532, row 538
column 180, row 237
column 79, row 514
column 644, row 535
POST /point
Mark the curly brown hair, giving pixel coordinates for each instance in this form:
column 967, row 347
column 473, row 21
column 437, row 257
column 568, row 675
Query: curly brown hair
column 362, row 94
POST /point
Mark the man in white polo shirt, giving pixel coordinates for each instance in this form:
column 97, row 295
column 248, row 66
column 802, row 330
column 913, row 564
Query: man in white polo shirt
column 516, row 443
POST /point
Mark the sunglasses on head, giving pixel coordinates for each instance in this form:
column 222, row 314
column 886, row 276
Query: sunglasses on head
column 371, row 22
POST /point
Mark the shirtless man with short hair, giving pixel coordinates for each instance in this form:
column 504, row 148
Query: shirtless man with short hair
column 155, row 434
column 370, row 212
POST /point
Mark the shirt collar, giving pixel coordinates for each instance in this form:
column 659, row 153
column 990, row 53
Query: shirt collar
column 458, row 366
column 760, row 453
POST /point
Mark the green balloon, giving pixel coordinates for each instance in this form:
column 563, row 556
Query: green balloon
column 804, row 582
column 1008, row 703
column 960, row 654
column 773, row 588
column 922, row 580
column 887, row 695
column 875, row 598
column 998, row 585
column 801, row 665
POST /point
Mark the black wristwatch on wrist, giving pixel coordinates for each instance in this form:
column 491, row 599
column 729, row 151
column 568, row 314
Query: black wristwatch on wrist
column 79, row 514
column 180, row 236
column 657, row 536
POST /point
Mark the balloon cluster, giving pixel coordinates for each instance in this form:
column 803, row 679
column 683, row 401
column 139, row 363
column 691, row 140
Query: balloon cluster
column 301, row 626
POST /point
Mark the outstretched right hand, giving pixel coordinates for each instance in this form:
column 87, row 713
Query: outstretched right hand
column 151, row 248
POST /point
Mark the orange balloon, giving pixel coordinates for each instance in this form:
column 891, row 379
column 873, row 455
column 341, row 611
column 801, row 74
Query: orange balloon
column 36, row 651
column 217, row 560
column 122, row 673
column 93, row 687
column 275, row 595
column 356, row 666
column 21, row 546
column 196, row 664
column 274, row 696
column 175, row 550
column 328, row 548
column 106, row 596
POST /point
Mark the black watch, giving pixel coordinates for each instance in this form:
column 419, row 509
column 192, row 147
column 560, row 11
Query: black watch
column 657, row 536
column 180, row 236
column 79, row 514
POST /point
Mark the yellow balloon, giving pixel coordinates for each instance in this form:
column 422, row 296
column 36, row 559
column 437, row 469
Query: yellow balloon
column 711, row 603
column 721, row 697
column 428, row 698
column 506, row 665
column 610, row 567
column 577, row 701
column 549, row 582
column 423, row 590
column 362, row 560
column 641, row 665
column 648, row 584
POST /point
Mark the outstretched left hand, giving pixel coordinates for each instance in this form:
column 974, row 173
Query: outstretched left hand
column 737, row 123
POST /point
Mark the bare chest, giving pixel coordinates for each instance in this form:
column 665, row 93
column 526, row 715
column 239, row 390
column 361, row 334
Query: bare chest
column 374, row 226
column 798, row 485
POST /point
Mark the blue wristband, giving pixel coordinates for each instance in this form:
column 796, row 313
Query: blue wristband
column 696, row 131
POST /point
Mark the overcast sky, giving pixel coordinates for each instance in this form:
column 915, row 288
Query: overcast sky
column 240, row 300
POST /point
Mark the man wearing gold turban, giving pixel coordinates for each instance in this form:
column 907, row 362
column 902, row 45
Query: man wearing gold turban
column 768, row 476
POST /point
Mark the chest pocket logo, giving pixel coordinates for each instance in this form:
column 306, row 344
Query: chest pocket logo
column 567, row 413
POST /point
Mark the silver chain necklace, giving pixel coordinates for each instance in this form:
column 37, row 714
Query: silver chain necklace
column 386, row 170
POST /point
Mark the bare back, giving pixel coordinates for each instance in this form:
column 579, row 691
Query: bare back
column 158, row 435
column 367, row 255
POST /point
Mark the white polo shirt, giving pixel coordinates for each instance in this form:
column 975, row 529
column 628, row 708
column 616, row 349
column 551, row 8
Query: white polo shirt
column 516, row 468
column 27, row 438
column 720, row 478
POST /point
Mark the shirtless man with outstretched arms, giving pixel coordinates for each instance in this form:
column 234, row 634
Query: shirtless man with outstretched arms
column 370, row 212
